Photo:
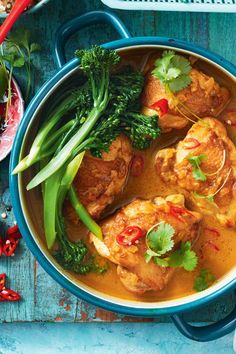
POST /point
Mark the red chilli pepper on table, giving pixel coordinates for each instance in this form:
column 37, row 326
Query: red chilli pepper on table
column 161, row 105
column 7, row 294
column 194, row 143
column 10, row 246
column 2, row 281
column 14, row 232
column 130, row 236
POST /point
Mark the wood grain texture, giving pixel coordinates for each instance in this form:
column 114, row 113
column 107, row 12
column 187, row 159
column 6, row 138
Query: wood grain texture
column 43, row 299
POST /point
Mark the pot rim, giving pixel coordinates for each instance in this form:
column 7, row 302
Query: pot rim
column 118, row 305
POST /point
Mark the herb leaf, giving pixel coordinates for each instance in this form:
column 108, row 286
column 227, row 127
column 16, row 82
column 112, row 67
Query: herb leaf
column 173, row 70
column 203, row 280
column 18, row 50
column 209, row 197
column 35, row 47
column 184, row 257
column 162, row 262
column 160, row 239
column 195, row 161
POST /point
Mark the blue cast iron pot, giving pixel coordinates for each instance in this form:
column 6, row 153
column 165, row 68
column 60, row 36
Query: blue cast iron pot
column 23, row 207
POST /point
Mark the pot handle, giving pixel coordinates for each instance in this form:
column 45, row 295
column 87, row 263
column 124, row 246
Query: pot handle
column 85, row 20
column 208, row 332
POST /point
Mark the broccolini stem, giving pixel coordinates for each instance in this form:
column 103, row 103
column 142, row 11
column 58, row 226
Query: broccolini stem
column 67, row 151
column 66, row 105
column 83, row 214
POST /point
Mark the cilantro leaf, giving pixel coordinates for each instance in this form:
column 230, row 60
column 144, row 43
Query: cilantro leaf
column 35, row 47
column 209, row 197
column 180, row 83
column 173, row 70
column 195, row 161
column 160, row 239
column 184, row 257
column 20, row 38
column 19, row 50
column 203, row 280
column 162, row 65
column 161, row 262
column 182, row 64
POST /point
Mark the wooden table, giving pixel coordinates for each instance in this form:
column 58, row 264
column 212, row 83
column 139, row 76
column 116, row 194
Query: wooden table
column 43, row 299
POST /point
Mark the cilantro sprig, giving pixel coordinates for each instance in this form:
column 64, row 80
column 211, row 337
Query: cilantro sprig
column 16, row 52
column 160, row 241
column 203, row 280
column 184, row 257
column 197, row 172
column 173, row 71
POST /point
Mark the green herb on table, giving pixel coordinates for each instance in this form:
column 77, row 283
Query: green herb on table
column 204, row 280
column 197, row 172
column 15, row 53
column 18, row 45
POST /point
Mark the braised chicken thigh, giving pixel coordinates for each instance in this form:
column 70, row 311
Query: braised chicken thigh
column 203, row 97
column 134, row 272
column 100, row 179
column 203, row 166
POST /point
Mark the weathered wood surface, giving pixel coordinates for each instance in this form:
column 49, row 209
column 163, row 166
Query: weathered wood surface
column 43, row 299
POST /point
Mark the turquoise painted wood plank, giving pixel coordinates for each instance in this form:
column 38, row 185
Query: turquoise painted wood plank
column 44, row 300
column 145, row 338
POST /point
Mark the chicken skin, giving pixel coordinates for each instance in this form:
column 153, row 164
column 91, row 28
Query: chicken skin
column 135, row 274
column 99, row 180
column 215, row 193
column 203, row 97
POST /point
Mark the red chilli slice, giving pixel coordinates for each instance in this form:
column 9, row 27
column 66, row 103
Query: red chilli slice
column 2, row 281
column 212, row 231
column 161, row 105
column 130, row 236
column 10, row 246
column 137, row 166
column 14, row 232
column 194, row 143
column 177, row 212
column 212, row 245
column 9, row 295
